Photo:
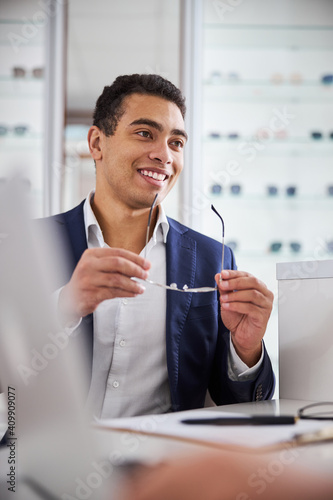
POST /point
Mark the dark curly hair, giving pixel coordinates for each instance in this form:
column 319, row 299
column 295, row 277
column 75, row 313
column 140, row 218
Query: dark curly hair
column 109, row 109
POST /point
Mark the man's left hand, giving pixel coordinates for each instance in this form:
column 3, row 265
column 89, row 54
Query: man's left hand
column 246, row 305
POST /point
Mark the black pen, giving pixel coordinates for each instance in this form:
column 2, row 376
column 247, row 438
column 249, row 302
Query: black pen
column 251, row 420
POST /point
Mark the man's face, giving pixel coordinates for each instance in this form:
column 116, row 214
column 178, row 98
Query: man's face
column 144, row 157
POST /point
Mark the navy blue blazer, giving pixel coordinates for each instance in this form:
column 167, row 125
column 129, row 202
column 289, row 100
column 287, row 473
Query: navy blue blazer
column 197, row 342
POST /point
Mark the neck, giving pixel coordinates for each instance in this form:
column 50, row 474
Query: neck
column 123, row 227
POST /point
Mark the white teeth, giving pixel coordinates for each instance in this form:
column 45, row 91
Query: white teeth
column 154, row 175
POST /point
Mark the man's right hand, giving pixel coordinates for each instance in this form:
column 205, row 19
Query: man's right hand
column 101, row 274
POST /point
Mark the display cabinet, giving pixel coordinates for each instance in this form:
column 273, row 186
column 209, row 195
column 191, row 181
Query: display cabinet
column 267, row 134
column 32, row 98
column 265, row 108
column 22, row 91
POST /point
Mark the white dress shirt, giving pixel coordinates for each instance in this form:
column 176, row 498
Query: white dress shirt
column 129, row 372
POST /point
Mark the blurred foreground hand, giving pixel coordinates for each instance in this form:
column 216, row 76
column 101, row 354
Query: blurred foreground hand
column 228, row 476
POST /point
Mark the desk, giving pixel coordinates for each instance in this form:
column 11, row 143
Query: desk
column 150, row 449
column 121, row 446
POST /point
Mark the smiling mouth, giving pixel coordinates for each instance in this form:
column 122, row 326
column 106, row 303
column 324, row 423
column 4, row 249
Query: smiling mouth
column 153, row 175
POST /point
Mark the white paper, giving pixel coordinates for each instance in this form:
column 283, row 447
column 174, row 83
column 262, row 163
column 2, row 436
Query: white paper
column 254, row 436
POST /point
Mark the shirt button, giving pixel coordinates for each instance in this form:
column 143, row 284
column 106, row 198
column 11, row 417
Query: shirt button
column 124, row 301
column 122, row 343
column 115, row 384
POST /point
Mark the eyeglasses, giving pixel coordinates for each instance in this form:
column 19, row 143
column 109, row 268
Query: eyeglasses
column 317, row 411
column 19, row 72
column 17, row 130
column 174, row 286
column 294, row 246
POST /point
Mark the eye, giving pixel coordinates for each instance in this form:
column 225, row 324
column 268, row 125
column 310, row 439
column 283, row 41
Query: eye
column 178, row 144
column 144, row 133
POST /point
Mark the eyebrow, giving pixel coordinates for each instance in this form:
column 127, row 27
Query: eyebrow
column 158, row 126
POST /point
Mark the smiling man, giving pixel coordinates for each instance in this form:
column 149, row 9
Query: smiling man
column 153, row 350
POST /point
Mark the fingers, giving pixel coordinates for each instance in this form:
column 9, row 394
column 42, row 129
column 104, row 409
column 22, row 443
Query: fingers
column 241, row 291
column 124, row 261
column 111, row 267
column 246, row 305
column 102, row 274
column 253, row 297
column 240, row 280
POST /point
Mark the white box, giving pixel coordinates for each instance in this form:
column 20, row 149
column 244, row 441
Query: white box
column 305, row 312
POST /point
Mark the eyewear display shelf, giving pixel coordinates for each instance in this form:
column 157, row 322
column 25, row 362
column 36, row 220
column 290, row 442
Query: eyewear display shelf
column 267, row 138
column 22, row 94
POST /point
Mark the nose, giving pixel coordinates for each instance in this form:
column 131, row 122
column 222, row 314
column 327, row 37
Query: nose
column 161, row 153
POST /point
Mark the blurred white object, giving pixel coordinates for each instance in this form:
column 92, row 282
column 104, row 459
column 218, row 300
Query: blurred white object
column 305, row 330
column 40, row 370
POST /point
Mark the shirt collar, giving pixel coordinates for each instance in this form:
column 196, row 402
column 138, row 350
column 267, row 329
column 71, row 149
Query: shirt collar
column 93, row 230
column 162, row 225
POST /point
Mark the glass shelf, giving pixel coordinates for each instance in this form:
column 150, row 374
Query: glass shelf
column 27, row 141
column 21, row 88
column 267, row 259
column 29, row 88
column 22, row 33
column 275, row 27
column 25, row 96
column 267, row 47
column 256, row 91
column 248, row 147
column 277, row 202
column 24, row 90
column 292, row 37
column 21, row 21
column 287, row 141
column 273, row 98
column 32, row 43
column 283, row 255
column 20, row 80
column 237, row 82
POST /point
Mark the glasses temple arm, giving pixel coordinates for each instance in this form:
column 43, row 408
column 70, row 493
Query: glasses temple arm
column 148, row 225
column 219, row 216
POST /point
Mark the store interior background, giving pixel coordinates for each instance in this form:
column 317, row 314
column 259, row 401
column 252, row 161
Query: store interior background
column 120, row 38
column 262, row 145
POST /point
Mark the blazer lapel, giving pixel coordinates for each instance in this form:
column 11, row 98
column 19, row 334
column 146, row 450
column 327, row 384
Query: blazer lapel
column 74, row 224
column 181, row 265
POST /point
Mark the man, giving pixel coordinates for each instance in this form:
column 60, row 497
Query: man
column 152, row 350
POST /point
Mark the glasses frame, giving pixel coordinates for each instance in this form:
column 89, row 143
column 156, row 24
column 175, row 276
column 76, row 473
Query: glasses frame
column 173, row 286
column 314, row 416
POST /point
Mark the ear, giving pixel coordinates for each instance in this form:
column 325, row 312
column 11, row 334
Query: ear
column 95, row 142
